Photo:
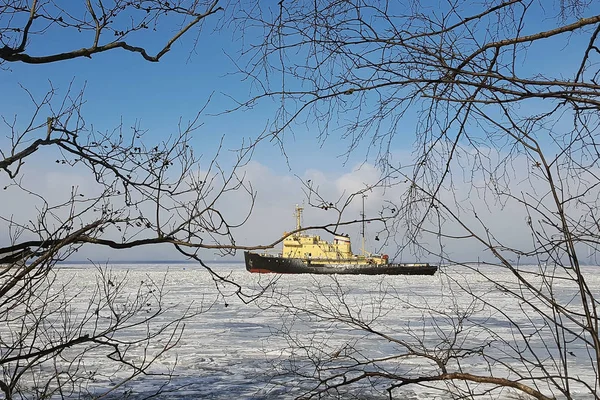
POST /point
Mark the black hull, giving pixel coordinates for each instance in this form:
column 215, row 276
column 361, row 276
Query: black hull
column 267, row 264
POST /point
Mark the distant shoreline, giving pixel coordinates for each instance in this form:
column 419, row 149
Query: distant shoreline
column 69, row 262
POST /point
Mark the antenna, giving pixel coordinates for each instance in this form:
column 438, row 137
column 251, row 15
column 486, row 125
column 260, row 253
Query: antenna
column 363, row 223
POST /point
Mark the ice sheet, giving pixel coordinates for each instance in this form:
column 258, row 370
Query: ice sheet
column 236, row 350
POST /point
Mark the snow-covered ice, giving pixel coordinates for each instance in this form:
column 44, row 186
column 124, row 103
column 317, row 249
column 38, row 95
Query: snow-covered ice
column 235, row 350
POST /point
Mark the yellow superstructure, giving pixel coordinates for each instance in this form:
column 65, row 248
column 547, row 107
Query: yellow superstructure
column 313, row 248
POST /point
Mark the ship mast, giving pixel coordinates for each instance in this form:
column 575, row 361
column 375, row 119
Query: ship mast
column 363, row 224
column 298, row 215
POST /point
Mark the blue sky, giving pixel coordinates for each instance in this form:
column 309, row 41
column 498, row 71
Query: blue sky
column 121, row 85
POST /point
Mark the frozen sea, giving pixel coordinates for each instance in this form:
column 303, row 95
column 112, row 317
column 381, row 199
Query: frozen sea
column 236, row 350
